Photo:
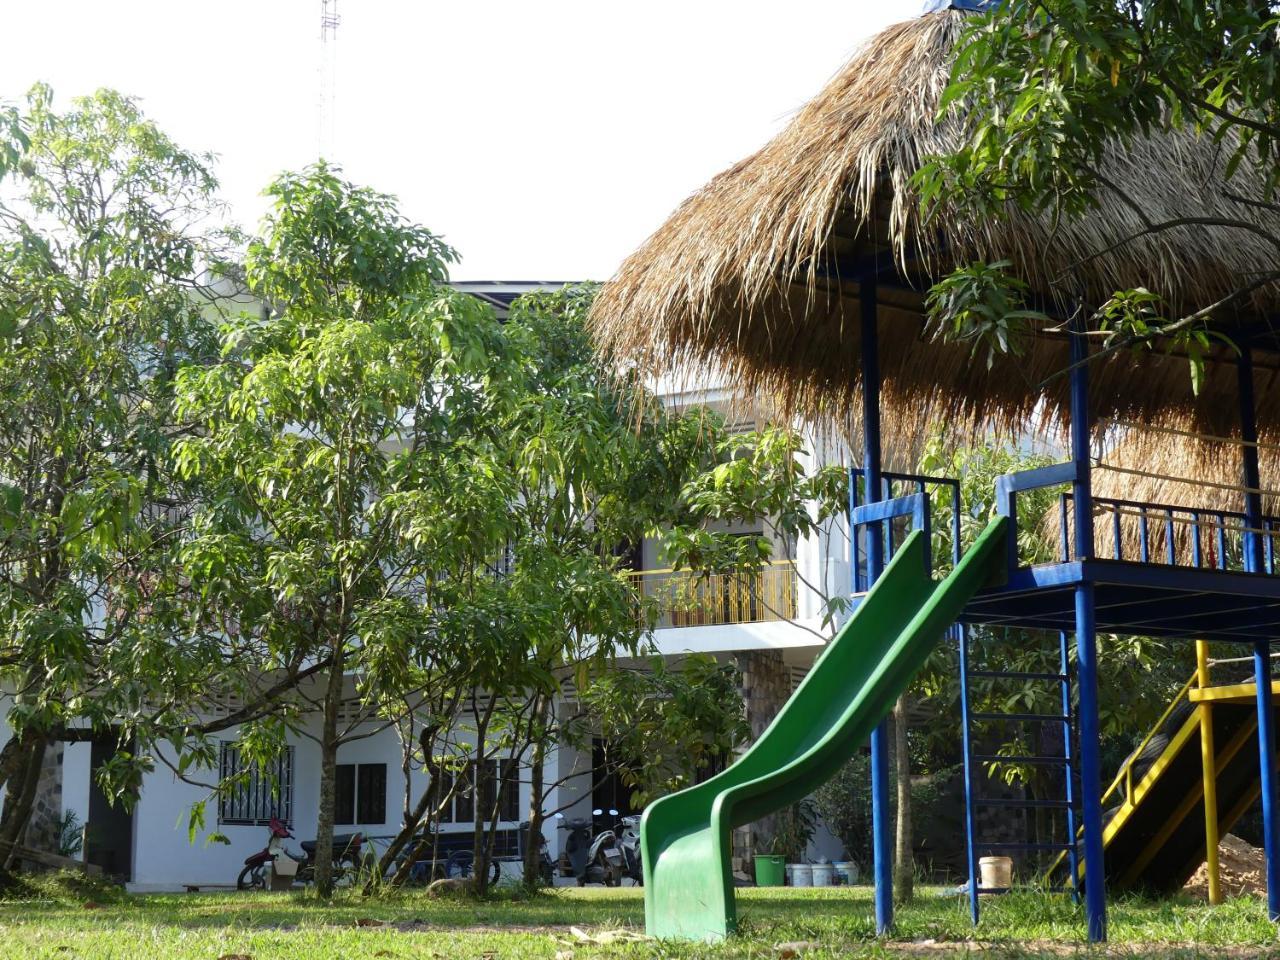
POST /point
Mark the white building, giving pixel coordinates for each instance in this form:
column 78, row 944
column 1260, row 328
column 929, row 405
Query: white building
column 773, row 643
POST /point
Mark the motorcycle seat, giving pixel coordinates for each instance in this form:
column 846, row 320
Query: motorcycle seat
column 341, row 841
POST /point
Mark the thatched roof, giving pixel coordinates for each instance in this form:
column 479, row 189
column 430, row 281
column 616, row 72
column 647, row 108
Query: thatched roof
column 746, row 273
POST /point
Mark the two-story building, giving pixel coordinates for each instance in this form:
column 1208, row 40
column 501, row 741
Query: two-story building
column 771, row 629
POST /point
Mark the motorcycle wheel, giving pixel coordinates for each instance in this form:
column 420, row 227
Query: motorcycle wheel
column 461, row 866
column 252, row 878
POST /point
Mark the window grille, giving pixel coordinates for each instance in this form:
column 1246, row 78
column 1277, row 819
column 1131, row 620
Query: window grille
column 256, row 796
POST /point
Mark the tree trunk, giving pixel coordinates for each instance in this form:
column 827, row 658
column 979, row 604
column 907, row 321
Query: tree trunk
column 482, row 788
column 24, row 780
column 328, row 775
column 413, row 820
column 533, row 836
column 904, row 858
column 480, row 845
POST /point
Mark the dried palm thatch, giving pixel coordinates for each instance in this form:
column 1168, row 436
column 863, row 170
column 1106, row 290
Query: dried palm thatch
column 746, row 274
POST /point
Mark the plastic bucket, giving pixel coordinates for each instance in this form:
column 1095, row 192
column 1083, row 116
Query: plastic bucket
column 770, row 870
column 824, row 874
column 801, row 875
column 995, row 873
column 847, row 870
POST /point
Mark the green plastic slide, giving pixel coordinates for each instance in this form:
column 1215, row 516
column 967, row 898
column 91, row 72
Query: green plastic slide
column 684, row 837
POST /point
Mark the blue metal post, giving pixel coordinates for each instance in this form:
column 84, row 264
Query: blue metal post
column 1253, row 563
column 970, row 820
column 1073, row 859
column 881, row 821
column 1095, row 894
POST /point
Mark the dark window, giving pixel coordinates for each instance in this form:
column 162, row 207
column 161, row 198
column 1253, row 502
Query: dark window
column 360, row 793
column 464, row 796
column 371, row 806
column 344, row 794
column 444, row 783
column 254, row 796
column 463, row 808
column 509, row 793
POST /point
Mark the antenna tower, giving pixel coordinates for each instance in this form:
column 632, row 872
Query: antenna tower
column 329, row 22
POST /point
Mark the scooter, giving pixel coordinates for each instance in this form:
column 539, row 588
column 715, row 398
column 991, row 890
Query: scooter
column 546, row 869
column 628, row 832
column 346, row 856
column 591, row 860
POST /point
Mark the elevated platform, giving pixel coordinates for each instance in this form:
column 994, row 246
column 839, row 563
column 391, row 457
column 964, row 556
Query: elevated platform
column 1184, row 577
column 1137, row 598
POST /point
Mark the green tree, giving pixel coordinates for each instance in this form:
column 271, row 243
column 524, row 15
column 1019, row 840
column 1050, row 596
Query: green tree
column 1045, row 89
column 599, row 464
column 594, row 463
column 766, row 478
column 345, row 451
column 667, row 723
column 104, row 225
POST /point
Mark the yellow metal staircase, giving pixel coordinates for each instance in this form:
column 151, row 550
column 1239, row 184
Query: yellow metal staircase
column 1157, row 817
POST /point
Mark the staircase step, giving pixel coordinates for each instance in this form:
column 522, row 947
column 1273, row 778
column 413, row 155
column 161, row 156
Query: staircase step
column 1027, row 804
column 1017, row 675
column 1031, row 717
column 1027, row 758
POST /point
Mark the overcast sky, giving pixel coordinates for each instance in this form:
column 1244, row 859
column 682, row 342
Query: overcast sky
column 544, row 140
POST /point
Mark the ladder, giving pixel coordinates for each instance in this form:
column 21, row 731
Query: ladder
column 974, row 762
column 927, row 488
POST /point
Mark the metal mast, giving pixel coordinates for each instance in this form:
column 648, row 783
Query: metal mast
column 327, row 125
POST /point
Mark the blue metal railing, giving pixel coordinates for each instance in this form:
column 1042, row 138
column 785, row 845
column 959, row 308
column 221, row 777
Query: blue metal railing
column 1210, row 539
column 1202, row 538
column 879, row 516
column 1011, row 484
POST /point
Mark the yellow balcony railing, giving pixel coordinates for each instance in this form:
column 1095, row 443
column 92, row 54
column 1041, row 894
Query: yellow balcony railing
column 687, row 599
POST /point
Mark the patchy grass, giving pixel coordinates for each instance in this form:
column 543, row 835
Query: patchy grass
column 61, row 924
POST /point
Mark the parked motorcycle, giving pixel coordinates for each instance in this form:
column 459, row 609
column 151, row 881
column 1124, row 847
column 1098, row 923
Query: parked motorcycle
column 592, row 860
column 628, row 833
column 346, row 857
column 546, row 869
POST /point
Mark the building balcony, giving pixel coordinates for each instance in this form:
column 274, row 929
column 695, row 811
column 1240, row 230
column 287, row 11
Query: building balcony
column 687, row 599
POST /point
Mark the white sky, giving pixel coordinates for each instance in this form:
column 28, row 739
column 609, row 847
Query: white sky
column 545, row 140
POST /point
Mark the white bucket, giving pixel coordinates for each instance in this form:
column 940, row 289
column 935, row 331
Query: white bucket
column 848, row 870
column 801, row 875
column 824, row 874
column 995, row 873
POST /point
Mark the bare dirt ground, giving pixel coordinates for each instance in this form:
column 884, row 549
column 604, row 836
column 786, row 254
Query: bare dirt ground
column 1241, row 867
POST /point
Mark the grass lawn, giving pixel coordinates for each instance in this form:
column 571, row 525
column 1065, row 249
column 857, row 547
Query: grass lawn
column 833, row 922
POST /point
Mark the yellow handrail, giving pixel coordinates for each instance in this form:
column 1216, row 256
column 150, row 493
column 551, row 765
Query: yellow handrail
column 1125, row 773
column 1209, row 777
